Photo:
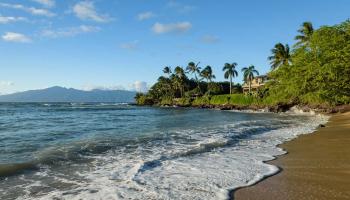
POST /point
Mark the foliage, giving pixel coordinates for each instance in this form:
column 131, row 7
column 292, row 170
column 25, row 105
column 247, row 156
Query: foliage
column 230, row 72
column 316, row 71
column 280, row 56
column 319, row 74
column 248, row 75
column 306, row 31
column 214, row 89
column 183, row 102
column 142, row 99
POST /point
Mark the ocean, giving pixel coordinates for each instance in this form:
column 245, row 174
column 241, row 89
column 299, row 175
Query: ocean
column 120, row 151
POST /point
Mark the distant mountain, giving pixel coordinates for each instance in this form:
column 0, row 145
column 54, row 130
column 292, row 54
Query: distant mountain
column 60, row 94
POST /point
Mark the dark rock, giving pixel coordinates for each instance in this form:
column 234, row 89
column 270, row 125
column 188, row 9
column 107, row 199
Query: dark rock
column 321, row 126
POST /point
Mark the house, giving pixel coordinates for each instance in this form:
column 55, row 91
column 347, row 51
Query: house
column 257, row 83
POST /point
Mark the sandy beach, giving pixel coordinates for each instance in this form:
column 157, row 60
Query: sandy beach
column 317, row 166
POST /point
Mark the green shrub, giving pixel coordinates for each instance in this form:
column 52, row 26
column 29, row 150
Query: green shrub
column 144, row 100
column 220, row 99
column 183, row 102
column 166, row 101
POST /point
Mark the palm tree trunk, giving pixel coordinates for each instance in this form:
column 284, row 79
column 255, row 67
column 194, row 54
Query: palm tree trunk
column 250, row 86
column 230, row 84
column 199, row 88
column 208, row 85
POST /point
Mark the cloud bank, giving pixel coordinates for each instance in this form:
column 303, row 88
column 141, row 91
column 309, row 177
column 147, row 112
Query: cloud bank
column 47, row 3
column 140, row 86
column 31, row 10
column 69, row 32
column 179, row 27
column 145, row 15
column 16, row 37
column 86, row 10
column 9, row 19
column 6, row 83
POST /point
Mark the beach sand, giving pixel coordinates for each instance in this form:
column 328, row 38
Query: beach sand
column 317, row 166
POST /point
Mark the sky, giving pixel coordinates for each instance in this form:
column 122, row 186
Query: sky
column 124, row 44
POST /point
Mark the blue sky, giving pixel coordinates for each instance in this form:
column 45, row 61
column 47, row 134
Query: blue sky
column 89, row 44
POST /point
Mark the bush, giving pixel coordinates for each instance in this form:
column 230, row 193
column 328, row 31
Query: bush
column 214, row 89
column 166, row 101
column 144, row 100
column 183, row 102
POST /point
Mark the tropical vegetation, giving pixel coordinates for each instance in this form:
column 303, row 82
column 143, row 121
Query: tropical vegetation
column 315, row 72
column 230, row 72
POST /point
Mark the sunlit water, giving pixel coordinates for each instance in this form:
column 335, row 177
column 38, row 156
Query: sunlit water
column 118, row 151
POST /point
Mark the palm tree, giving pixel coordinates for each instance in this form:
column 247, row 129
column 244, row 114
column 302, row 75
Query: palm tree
column 230, row 72
column 164, row 86
column 207, row 73
column 248, row 74
column 306, row 30
column 193, row 68
column 180, row 77
column 280, row 56
column 167, row 70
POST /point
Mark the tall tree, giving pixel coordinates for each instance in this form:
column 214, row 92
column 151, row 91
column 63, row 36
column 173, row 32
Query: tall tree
column 168, row 85
column 280, row 56
column 193, row 68
column 207, row 73
column 230, row 72
column 167, row 70
column 180, row 78
column 248, row 75
column 306, row 30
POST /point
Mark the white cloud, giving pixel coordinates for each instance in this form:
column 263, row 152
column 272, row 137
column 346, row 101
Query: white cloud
column 139, row 86
column 9, row 19
column 130, row 46
column 210, row 39
column 6, row 83
column 16, row 37
column 86, row 10
column 179, row 27
column 145, row 16
column 47, row 3
column 69, row 32
column 32, row 10
column 181, row 8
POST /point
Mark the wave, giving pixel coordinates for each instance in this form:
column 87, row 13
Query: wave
column 14, row 169
column 194, row 163
column 82, row 151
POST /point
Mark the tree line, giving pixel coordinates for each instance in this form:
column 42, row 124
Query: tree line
column 315, row 70
column 195, row 81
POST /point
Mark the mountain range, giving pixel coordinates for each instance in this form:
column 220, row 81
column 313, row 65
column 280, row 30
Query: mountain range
column 61, row 94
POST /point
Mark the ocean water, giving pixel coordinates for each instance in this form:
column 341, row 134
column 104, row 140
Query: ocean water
column 119, row 151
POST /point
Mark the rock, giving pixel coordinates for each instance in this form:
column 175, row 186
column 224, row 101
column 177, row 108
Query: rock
column 321, row 126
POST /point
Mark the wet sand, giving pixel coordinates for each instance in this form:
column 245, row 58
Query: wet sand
column 317, row 166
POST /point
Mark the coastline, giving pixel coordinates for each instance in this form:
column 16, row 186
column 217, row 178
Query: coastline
column 279, row 108
column 315, row 167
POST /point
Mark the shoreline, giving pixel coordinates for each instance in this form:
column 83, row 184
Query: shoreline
column 305, row 168
column 280, row 108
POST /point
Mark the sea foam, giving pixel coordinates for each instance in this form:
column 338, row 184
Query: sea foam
column 209, row 168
